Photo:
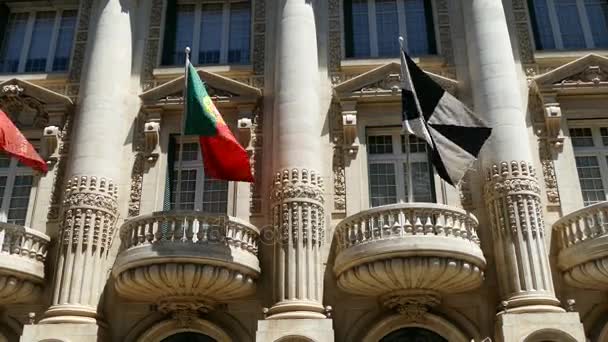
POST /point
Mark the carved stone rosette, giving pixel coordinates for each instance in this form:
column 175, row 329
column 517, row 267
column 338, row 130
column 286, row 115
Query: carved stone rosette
column 513, row 202
column 299, row 224
column 88, row 224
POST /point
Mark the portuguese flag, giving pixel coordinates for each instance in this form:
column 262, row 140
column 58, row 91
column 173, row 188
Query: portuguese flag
column 223, row 157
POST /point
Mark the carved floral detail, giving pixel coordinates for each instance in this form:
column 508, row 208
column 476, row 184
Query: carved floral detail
column 298, row 200
column 90, row 203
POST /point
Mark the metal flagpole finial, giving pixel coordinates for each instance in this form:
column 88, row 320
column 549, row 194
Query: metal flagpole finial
column 401, row 41
column 187, row 50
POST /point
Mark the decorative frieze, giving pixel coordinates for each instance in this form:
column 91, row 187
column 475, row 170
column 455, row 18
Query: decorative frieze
column 445, row 35
column 297, row 197
column 90, row 212
column 61, row 164
column 335, row 35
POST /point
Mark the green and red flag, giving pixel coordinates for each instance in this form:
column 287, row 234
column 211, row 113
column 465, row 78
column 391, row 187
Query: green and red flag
column 223, row 156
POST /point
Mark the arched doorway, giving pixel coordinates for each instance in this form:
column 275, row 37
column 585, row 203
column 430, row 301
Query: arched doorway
column 189, row 337
column 413, row 335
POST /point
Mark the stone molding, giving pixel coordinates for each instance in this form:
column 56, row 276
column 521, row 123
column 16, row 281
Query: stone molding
column 23, row 253
column 582, row 238
column 523, row 28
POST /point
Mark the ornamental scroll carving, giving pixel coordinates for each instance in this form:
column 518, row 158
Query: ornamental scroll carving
column 90, row 212
column 257, row 145
column 80, row 45
column 514, row 187
column 298, row 213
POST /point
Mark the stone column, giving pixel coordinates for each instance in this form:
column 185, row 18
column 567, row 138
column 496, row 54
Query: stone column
column 90, row 207
column 512, row 190
column 297, row 193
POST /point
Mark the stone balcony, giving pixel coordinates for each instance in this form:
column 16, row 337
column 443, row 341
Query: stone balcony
column 582, row 240
column 188, row 261
column 21, row 263
column 409, row 255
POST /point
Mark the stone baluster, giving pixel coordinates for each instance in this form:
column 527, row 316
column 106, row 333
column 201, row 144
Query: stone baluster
column 512, row 191
column 297, row 194
column 90, row 209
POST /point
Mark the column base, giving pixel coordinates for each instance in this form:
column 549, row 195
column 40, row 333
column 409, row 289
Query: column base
column 296, row 310
column 318, row 330
column 518, row 327
column 531, row 303
column 77, row 314
column 63, row 332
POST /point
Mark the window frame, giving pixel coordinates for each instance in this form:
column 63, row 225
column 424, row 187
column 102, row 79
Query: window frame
column 11, row 172
column 398, row 160
column 25, row 49
column 598, row 150
column 555, row 27
column 434, row 43
column 200, row 177
column 225, row 42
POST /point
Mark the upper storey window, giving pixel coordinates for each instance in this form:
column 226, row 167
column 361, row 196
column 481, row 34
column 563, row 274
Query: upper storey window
column 388, row 175
column 218, row 32
column 372, row 27
column 591, row 155
column 570, row 24
column 37, row 41
column 16, row 182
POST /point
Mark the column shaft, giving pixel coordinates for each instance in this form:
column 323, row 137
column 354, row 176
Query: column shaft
column 90, row 206
column 512, row 191
column 297, row 195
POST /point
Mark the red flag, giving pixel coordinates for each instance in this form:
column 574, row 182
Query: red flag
column 15, row 144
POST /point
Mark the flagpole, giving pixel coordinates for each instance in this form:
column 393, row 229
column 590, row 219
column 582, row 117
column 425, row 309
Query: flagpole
column 181, row 136
column 408, row 169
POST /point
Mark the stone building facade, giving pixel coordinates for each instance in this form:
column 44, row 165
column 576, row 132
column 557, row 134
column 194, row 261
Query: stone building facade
column 323, row 246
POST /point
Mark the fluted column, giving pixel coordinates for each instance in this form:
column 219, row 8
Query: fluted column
column 89, row 210
column 297, row 193
column 511, row 191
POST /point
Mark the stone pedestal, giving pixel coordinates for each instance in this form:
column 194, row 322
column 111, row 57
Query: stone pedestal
column 296, row 330
column 63, row 332
column 540, row 327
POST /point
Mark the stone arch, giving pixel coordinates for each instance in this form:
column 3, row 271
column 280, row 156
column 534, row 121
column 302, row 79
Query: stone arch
column 294, row 338
column 431, row 322
column 166, row 328
column 551, row 335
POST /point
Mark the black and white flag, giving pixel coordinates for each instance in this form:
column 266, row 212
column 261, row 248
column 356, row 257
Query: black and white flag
column 452, row 131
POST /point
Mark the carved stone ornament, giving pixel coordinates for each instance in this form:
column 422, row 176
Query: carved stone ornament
column 592, row 75
column 256, row 157
column 184, row 312
column 413, row 304
column 338, row 133
column 151, row 140
column 24, row 111
column 50, row 144
column 90, row 206
column 297, row 197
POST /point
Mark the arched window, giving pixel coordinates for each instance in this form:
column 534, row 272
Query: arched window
column 569, row 24
column 413, row 335
column 372, row 27
column 189, row 337
column 218, row 32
